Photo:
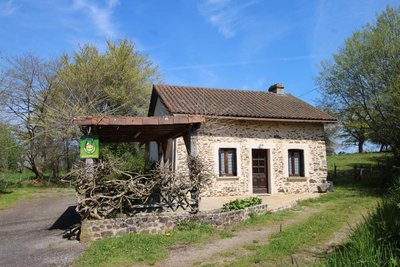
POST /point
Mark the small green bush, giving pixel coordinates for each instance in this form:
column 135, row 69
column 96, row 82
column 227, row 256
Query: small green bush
column 239, row 204
column 130, row 157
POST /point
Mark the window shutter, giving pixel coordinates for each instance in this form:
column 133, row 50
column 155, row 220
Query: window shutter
column 297, row 163
column 221, row 162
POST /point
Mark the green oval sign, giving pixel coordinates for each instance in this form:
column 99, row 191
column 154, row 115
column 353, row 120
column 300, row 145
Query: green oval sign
column 89, row 147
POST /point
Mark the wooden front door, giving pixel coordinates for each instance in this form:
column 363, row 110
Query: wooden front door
column 260, row 170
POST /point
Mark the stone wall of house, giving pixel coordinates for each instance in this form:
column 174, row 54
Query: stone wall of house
column 245, row 135
column 160, row 223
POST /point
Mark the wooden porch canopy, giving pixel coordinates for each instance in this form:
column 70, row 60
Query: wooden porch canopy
column 117, row 129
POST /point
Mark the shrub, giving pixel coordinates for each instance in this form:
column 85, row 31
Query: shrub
column 239, row 204
column 130, row 157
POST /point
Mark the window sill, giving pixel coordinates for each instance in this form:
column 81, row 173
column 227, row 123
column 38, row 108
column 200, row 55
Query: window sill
column 297, row 179
column 227, row 178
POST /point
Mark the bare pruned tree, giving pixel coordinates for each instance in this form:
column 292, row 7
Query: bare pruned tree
column 26, row 88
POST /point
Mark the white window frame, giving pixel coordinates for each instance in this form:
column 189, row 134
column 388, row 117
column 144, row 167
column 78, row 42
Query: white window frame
column 306, row 160
column 217, row 146
column 300, row 159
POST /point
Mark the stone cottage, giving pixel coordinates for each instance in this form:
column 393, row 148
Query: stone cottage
column 256, row 142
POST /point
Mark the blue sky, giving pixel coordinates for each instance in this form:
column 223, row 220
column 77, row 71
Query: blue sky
column 211, row 43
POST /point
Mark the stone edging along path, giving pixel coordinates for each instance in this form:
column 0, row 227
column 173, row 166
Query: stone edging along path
column 160, row 223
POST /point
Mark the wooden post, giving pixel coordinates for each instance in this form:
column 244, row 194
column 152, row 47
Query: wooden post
column 355, row 172
column 358, row 172
column 168, row 151
column 160, row 152
column 188, row 138
column 146, row 150
column 188, row 142
column 89, row 169
column 334, row 170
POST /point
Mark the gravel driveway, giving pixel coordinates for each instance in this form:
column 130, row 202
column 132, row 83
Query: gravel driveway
column 26, row 238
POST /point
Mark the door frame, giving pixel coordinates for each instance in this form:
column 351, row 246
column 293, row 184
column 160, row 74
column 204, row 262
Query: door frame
column 270, row 173
column 267, row 166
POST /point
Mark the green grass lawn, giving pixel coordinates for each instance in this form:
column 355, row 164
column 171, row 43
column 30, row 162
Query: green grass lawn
column 376, row 170
column 144, row 248
column 375, row 242
column 337, row 209
column 20, row 186
column 16, row 178
column 11, row 196
column 345, row 162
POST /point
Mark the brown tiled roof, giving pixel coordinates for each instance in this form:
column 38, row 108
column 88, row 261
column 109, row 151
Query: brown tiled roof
column 115, row 129
column 234, row 103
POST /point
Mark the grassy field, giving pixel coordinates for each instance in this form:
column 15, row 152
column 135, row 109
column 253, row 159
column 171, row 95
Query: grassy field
column 376, row 170
column 346, row 162
column 12, row 179
column 337, row 209
column 20, row 186
column 144, row 248
column 376, row 241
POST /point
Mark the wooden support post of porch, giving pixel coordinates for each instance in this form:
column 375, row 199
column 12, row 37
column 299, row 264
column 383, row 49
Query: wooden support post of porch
column 188, row 142
column 89, row 169
column 146, row 150
column 160, row 152
column 167, row 150
column 188, row 138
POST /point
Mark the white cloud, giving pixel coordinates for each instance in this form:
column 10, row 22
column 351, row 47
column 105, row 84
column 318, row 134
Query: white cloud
column 101, row 16
column 7, row 8
column 227, row 16
column 112, row 3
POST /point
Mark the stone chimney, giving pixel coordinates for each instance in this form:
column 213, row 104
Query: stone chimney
column 277, row 88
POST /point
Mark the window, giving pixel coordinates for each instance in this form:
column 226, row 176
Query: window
column 227, row 162
column 296, row 162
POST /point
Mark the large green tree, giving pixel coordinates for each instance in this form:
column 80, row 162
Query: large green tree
column 362, row 81
column 10, row 150
column 353, row 130
column 117, row 81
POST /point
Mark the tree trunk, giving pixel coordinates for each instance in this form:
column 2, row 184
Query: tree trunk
column 67, row 156
column 360, row 146
column 37, row 171
column 55, row 168
column 382, row 147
